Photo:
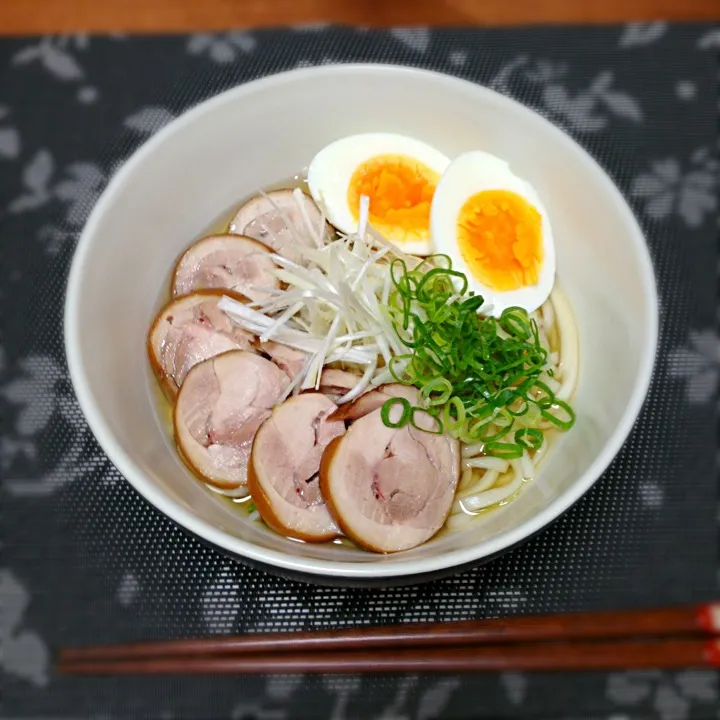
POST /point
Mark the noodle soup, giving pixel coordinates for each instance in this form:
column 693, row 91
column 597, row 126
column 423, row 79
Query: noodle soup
column 345, row 369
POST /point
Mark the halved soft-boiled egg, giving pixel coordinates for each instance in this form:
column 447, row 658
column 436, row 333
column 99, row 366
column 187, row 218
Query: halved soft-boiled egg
column 397, row 173
column 495, row 229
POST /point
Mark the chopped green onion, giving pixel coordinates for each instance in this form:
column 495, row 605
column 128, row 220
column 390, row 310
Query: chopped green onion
column 503, row 418
column 530, row 438
column 563, row 424
column 475, row 431
column 454, row 414
column 504, row 451
column 519, row 406
column 395, row 360
column 548, row 397
column 404, row 418
column 439, row 429
column 439, row 280
column 514, row 321
column 478, row 376
column 437, row 391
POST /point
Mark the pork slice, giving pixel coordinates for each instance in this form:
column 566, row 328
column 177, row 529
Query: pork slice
column 188, row 331
column 283, row 471
column 390, row 489
column 240, row 265
column 219, row 408
column 276, row 220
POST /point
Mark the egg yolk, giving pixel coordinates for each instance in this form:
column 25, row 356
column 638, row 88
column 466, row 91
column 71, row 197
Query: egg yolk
column 500, row 239
column 400, row 190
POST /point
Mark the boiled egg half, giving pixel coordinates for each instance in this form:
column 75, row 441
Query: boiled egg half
column 399, row 176
column 496, row 231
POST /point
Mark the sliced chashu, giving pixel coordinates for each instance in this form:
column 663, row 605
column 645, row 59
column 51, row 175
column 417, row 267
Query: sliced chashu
column 390, row 489
column 240, row 265
column 283, row 470
column 188, row 331
column 220, row 406
column 373, row 399
column 289, row 360
column 276, row 220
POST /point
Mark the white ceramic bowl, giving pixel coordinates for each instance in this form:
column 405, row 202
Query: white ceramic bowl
column 257, row 134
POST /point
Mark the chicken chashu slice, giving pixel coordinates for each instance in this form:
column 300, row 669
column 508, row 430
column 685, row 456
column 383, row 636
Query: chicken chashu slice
column 284, row 464
column 390, row 489
column 241, row 266
column 275, row 219
column 219, row 408
column 187, row 331
column 335, row 383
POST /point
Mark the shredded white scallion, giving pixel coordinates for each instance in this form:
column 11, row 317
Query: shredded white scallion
column 331, row 304
column 300, row 200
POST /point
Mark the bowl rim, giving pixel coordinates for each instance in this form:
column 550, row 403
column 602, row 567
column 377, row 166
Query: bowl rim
column 129, row 469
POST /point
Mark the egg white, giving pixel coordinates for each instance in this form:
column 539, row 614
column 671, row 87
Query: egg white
column 331, row 170
column 469, row 174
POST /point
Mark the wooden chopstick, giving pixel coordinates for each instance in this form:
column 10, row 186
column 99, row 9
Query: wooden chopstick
column 669, row 653
column 703, row 619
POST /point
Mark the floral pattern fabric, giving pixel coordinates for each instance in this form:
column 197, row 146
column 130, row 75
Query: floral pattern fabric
column 83, row 559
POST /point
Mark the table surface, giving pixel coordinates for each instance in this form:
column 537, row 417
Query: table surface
column 58, row 16
column 85, row 560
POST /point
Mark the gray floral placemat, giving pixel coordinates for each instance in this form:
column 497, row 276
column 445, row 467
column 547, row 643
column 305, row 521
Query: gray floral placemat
column 83, row 559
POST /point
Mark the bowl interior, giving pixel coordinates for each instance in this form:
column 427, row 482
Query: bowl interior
column 256, row 135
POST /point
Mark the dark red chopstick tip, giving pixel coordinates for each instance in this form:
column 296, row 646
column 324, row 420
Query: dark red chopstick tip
column 708, row 618
column 712, row 653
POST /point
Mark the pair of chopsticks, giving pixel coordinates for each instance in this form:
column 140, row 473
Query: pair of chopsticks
column 678, row 637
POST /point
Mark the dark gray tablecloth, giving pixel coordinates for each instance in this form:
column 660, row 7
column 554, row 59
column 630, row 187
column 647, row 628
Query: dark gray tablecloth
column 83, row 559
